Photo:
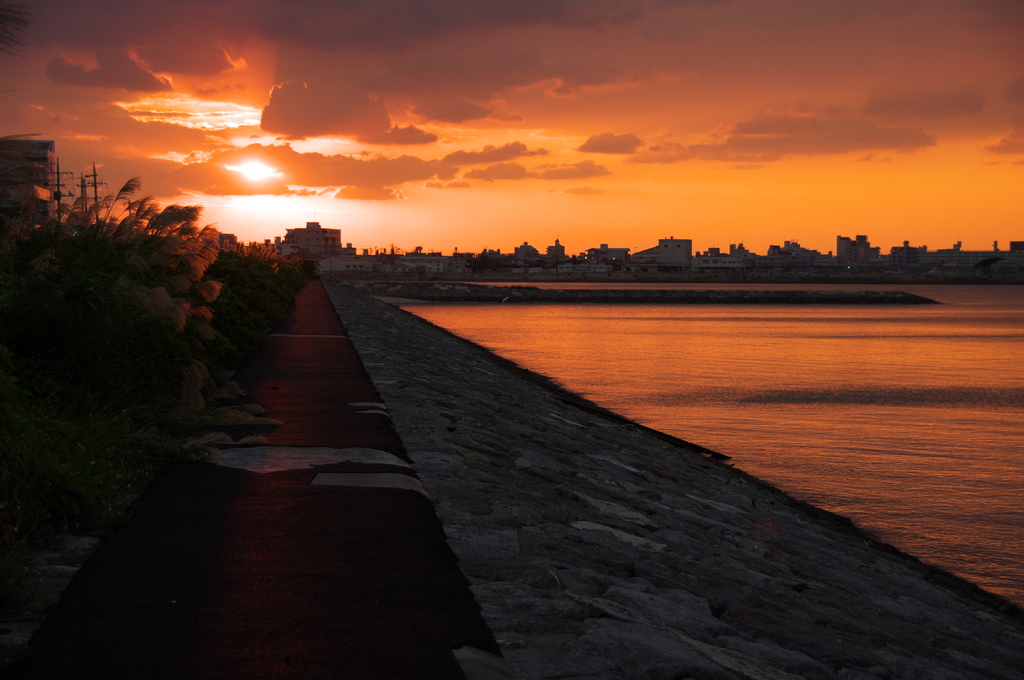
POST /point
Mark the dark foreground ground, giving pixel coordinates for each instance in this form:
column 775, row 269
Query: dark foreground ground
column 284, row 569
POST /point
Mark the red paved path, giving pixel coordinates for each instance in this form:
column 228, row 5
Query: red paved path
column 226, row 573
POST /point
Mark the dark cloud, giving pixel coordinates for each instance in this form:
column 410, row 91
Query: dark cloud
column 455, row 75
column 338, row 26
column 198, row 60
column 1012, row 143
column 567, row 79
column 581, row 170
column 688, row 3
column 447, row 82
column 771, row 136
column 934, row 102
column 397, row 24
column 401, row 135
column 450, row 110
column 501, row 171
column 493, row 154
column 298, row 110
column 1015, row 91
column 608, row 142
column 115, row 69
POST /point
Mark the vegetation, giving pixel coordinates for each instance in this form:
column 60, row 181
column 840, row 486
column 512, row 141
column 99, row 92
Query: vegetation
column 115, row 321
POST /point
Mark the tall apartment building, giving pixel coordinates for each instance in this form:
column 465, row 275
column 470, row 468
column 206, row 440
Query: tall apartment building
column 855, row 251
column 313, row 239
column 28, row 168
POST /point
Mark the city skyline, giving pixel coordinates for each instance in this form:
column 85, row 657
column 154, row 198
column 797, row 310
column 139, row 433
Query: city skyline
column 621, row 121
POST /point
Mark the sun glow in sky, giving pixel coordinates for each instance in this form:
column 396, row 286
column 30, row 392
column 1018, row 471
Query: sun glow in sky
column 254, row 170
column 616, row 121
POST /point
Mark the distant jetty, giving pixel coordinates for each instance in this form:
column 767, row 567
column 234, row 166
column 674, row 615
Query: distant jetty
column 430, row 291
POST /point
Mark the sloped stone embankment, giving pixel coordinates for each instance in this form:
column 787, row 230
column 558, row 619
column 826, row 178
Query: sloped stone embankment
column 598, row 550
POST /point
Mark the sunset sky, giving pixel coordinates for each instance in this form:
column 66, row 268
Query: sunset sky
column 485, row 123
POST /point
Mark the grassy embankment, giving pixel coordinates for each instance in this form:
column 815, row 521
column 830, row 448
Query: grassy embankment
column 116, row 324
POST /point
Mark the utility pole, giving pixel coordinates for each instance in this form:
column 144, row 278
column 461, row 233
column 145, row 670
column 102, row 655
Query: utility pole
column 95, row 184
column 58, row 186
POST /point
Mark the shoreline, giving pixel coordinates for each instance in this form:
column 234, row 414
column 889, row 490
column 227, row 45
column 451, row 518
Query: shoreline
column 591, row 542
column 427, row 291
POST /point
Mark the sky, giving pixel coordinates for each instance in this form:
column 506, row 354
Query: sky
column 476, row 124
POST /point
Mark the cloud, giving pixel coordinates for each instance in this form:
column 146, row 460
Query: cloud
column 1012, row 143
column 399, row 24
column 444, row 85
column 581, row 170
column 479, row 76
column 401, row 135
column 501, row 171
column 457, row 184
column 364, row 177
column 199, row 59
column 772, row 136
column 369, row 194
column 493, row 154
column 608, row 142
column 870, row 158
column 298, row 111
column 1015, row 91
column 115, row 69
column 450, row 110
column 584, row 191
column 933, row 102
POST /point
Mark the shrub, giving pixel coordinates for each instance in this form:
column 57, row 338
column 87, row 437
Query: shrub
column 108, row 321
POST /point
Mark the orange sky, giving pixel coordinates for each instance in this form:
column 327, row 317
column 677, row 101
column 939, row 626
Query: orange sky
column 464, row 124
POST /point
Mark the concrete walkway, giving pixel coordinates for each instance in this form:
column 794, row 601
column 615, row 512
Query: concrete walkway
column 315, row 556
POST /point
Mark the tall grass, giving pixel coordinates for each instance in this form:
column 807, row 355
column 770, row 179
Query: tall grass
column 110, row 320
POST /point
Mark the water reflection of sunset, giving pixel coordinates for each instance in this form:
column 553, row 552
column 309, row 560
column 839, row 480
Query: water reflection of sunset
column 905, row 419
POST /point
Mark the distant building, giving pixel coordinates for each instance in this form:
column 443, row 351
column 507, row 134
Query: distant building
column 958, row 257
column 675, row 252
column 226, row 241
column 29, row 170
column 526, row 253
column 608, row 255
column 330, row 265
column 315, row 239
column 858, row 251
column 556, row 253
column 905, row 257
column 714, row 260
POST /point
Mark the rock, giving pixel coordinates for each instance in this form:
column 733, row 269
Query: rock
column 600, row 550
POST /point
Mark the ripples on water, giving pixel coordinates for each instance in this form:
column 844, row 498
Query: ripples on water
column 906, row 419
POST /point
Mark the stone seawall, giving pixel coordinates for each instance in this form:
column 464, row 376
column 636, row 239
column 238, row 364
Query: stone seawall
column 469, row 292
column 600, row 551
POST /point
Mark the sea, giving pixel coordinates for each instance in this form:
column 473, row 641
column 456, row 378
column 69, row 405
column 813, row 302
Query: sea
column 907, row 419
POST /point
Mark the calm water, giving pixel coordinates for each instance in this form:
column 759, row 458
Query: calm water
column 909, row 420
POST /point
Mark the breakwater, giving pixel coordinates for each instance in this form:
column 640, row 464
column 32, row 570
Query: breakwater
column 468, row 292
column 597, row 550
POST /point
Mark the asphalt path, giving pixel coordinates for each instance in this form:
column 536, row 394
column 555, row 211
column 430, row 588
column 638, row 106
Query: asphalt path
column 315, row 556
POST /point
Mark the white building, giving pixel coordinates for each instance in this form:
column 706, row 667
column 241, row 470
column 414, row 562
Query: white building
column 314, row 239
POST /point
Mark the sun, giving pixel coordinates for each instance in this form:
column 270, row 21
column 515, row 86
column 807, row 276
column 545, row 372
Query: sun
column 254, row 170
